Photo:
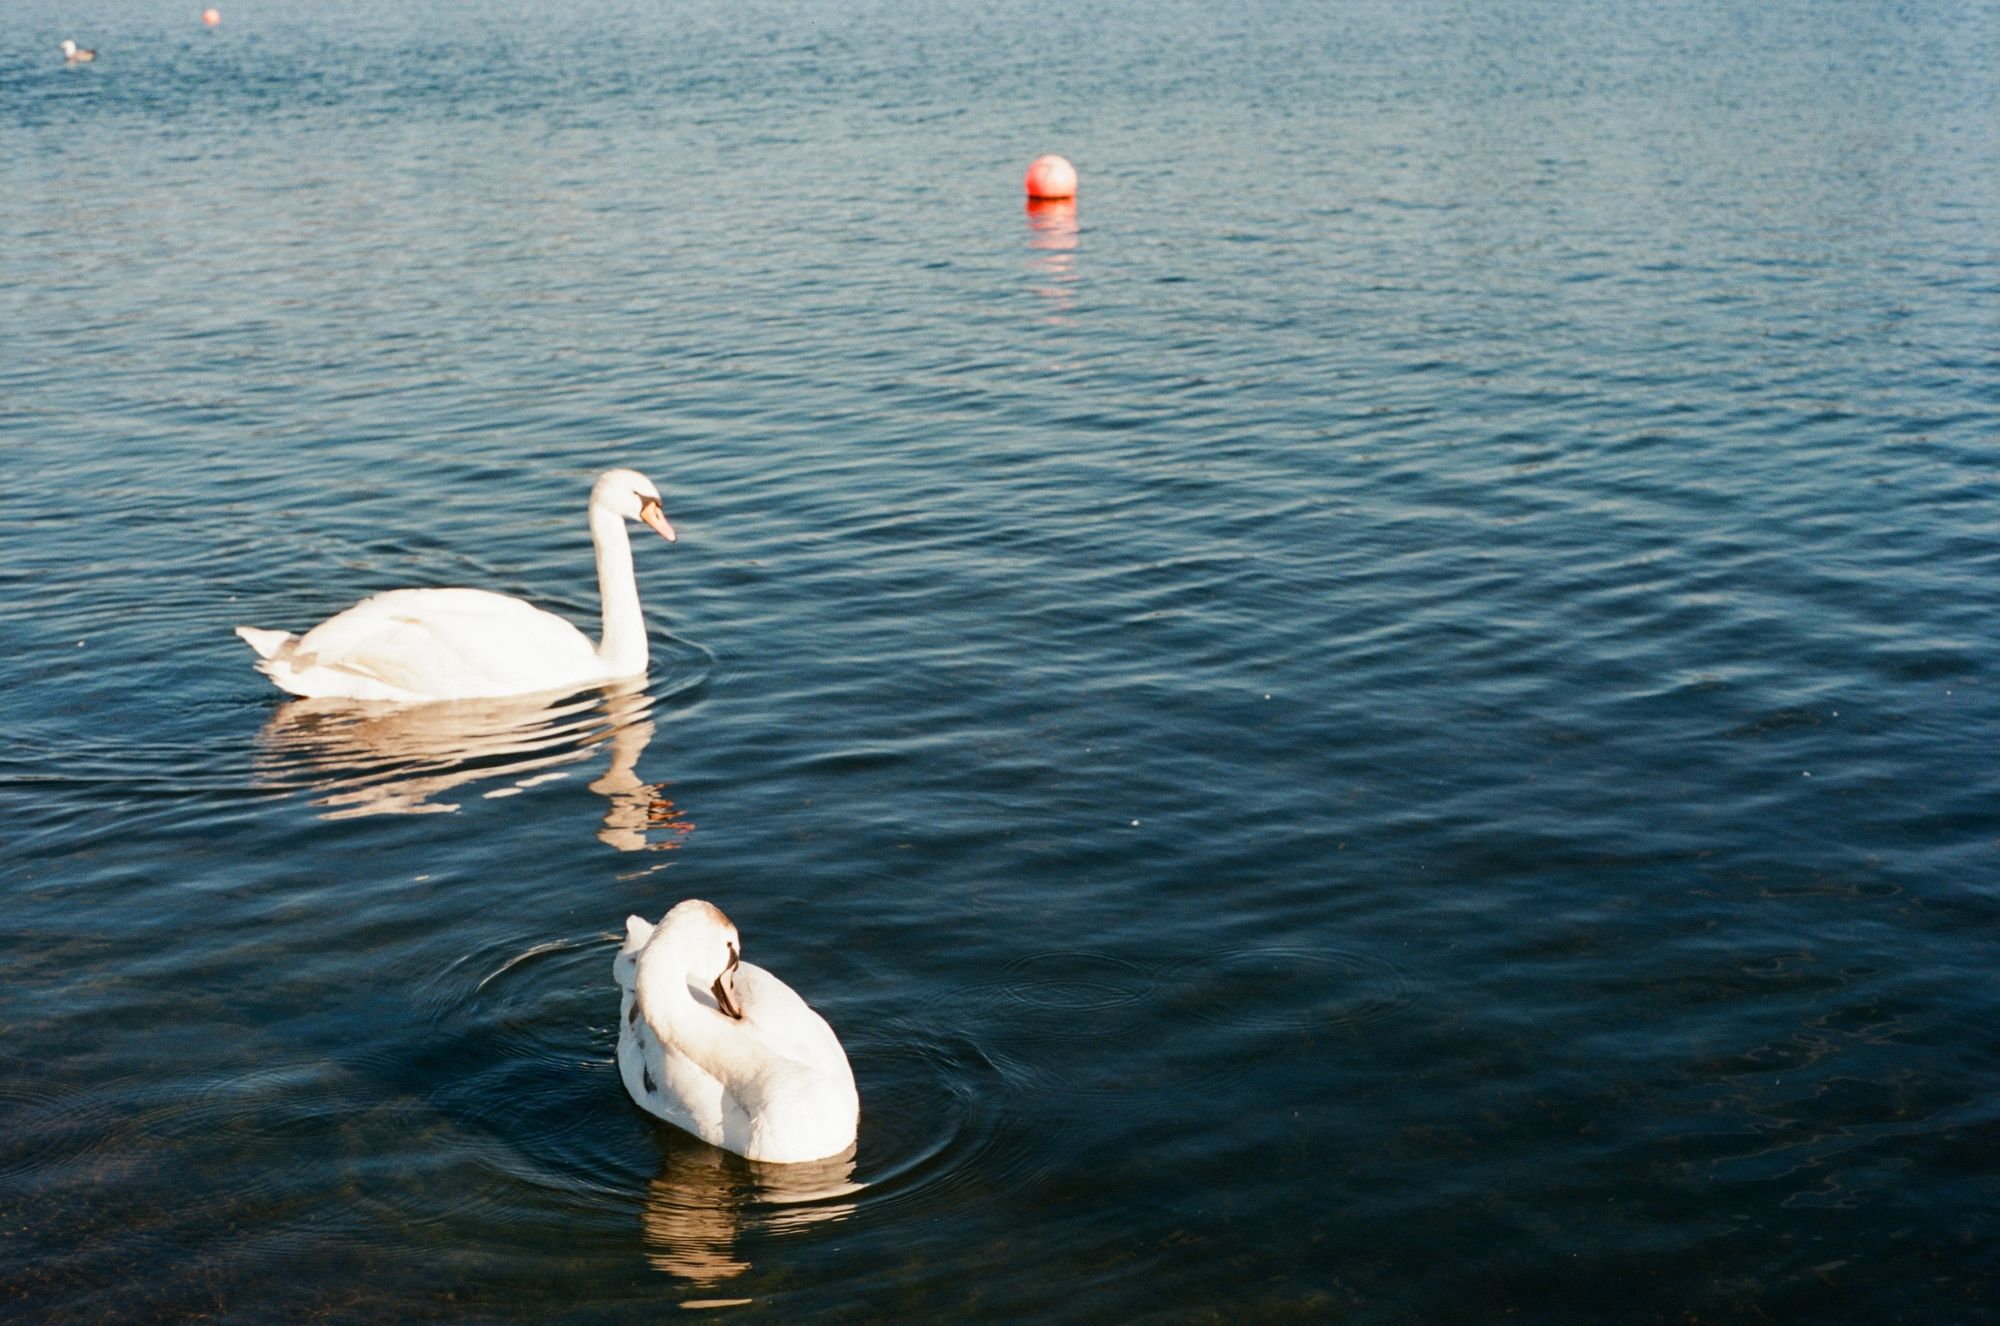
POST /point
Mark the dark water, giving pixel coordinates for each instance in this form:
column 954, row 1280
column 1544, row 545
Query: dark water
column 1392, row 720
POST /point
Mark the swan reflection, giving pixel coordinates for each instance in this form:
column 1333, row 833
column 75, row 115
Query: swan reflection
column 362, row 758
column 706, row 1199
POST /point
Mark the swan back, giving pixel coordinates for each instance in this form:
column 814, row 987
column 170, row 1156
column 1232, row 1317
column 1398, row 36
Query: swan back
column 771, row 1084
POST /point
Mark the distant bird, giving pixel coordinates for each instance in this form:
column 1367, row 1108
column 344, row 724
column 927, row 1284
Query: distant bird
column 724, row 1049
column 415, row 645
column 75, row 54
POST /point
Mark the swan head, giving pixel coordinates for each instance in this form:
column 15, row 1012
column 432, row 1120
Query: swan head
column 68, row 46
column 632, row 496
column 708, row 944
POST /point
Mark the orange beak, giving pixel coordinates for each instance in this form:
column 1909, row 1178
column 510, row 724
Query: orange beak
column 649, row 511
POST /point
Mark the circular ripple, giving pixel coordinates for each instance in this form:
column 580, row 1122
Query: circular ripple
column 522, row 1056
column 1059, row 994
column 938, row 1114
column 1040, row 1018
column 63, row 1139
column 540, row 995
column 1282, row 988
column 681, row 670
column 1074, row 983
column 266, row 1102
column 536, row 1032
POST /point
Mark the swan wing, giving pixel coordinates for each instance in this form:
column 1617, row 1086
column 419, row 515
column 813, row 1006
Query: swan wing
column 775, row 1013
column 666, row 1083
column 449, row 644
column 796, row 1090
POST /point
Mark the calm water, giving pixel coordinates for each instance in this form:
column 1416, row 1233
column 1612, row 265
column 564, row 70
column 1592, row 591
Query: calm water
column 1392, row 720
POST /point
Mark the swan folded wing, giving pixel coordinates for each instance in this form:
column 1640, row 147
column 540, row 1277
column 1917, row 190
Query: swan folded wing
column 785, row 1022
column 456, row 643
column 665, row 1082
column 699, row 1101
column 789, row 1112
column 797, row 1097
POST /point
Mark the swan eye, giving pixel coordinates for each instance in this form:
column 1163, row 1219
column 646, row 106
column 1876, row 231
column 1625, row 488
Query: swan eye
column 734, row 957
column 647, row 503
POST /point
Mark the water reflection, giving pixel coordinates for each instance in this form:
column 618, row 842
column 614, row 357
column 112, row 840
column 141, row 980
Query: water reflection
column 1052, row 232
column 706, row 1199
column 378, row 759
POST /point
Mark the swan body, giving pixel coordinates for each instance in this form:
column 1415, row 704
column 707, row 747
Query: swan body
column 75, row 54
column 415, row 645
column 724, row 1049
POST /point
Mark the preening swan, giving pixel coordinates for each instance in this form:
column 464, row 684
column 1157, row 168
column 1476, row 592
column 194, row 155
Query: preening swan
column 724, row 1049
column 470, row 644
column 75, row 54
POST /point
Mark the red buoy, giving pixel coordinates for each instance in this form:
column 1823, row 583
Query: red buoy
column 1051, row 176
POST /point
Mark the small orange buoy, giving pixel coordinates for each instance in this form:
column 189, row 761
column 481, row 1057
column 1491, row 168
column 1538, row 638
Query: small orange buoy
column 1051, row 176
column 211, row 17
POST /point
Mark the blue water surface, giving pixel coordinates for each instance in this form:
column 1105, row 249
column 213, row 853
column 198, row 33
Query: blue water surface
column 1391, row 718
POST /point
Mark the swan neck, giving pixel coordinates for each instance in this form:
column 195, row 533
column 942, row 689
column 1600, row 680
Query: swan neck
column 666, row 998
column 623, row 645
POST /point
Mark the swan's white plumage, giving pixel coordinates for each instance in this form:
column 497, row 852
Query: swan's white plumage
column 773, row 1084
column 470, row 644
column 428, row 644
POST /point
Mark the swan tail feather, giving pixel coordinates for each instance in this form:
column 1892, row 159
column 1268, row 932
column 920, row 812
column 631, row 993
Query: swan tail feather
column 268, row 644
column 625, row 967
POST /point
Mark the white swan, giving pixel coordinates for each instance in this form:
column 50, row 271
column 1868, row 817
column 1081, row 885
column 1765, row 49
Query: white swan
column 470, row 644
column 75, row 54
column 724, row 1049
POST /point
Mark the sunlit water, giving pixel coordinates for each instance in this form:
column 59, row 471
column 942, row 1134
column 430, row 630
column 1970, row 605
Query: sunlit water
column 1391, row 719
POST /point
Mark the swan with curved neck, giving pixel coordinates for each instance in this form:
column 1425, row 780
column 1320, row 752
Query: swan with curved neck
column 414, row 645
column 723, row 1048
